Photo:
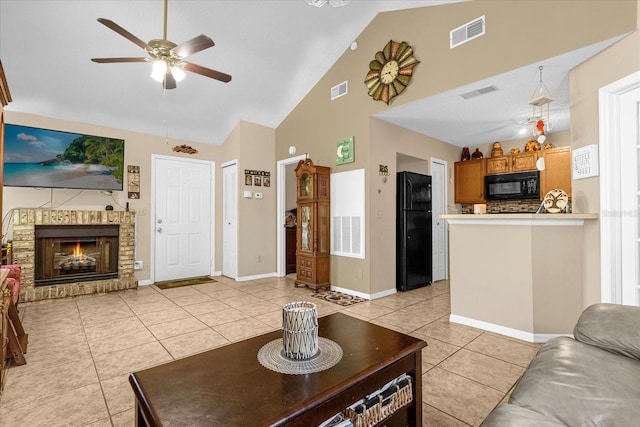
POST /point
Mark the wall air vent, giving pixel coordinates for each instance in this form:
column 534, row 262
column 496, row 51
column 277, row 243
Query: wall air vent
column 467, row 32
column 478, row 92
column 339, row 90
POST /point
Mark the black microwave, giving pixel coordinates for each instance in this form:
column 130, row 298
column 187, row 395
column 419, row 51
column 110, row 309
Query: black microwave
column 510, row 186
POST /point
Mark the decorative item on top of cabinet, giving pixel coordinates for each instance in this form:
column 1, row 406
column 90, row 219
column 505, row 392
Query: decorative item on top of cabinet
column 313, row 234
column 466, row 155
column 477, row 154
column 532, row 145
column 496, row 151
column 469, row 181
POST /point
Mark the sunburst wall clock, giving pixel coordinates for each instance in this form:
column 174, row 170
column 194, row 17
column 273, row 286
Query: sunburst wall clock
column 390, row 72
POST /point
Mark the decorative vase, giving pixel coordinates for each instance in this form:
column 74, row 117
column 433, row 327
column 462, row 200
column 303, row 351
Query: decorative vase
column 300, row 330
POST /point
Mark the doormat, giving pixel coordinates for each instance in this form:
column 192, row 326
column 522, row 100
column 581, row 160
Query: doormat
column 339, row 298
column 186, row 282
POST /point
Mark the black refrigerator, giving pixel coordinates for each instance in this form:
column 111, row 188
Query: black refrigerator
column 413, row 231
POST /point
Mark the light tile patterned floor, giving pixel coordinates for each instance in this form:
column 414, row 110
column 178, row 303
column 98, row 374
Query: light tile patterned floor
column 81, row 350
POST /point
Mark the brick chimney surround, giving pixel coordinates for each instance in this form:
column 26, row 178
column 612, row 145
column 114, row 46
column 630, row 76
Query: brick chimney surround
column 23, row 251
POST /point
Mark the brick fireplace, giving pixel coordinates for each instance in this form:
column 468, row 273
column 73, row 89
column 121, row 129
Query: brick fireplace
column 108, row 236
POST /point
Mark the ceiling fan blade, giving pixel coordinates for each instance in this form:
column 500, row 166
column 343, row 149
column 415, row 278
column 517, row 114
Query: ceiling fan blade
column 111, row 60
column 169, row 81
column 207, row 72
column 192, row 46
column 124, row 33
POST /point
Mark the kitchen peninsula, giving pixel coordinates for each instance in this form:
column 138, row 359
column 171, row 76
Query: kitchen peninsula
column 519, row 275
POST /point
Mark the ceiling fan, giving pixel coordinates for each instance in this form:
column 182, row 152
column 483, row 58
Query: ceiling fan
column 168, row 57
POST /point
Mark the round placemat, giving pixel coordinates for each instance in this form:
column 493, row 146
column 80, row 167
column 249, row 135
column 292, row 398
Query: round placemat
column 271, row 356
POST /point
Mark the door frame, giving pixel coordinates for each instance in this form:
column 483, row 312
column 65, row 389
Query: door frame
column 281, row 267
column 226, row 164
column 152, row 255
column 444, row 163
column 611, row 214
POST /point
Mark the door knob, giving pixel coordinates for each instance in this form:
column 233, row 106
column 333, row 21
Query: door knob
column 159, row 230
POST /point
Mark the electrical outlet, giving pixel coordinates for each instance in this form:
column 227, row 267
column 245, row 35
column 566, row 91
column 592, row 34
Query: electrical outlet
column 137, row 265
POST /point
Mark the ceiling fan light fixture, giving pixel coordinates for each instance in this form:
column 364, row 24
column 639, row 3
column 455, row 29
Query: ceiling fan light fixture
column 178, row 73
column 158, row 70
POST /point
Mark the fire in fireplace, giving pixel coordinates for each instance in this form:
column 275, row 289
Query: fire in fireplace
column 74, row 253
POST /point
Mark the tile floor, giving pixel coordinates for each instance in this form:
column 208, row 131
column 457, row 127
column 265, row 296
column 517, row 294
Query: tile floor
column 82, row 349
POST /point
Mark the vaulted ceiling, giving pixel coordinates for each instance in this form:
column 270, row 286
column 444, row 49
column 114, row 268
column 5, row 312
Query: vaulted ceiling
column 276, row 52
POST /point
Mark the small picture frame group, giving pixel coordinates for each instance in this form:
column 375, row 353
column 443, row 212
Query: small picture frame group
column 257, row 178
column 133, row 181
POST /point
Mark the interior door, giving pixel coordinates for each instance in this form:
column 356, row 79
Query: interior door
column 439, row 207
column 183, row 218
column 230, row 220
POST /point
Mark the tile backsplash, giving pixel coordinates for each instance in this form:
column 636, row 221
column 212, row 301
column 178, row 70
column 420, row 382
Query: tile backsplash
column 506, row 206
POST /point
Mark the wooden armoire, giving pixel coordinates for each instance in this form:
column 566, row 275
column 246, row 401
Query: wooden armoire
column 314, row 224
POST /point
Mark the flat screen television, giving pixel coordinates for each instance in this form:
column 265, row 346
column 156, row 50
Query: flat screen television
column 35, row 157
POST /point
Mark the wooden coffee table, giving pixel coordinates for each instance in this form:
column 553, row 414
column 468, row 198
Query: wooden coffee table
column 227, row 386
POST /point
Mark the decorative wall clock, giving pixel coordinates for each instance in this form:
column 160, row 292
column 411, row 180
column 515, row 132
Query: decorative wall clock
column 390, row 72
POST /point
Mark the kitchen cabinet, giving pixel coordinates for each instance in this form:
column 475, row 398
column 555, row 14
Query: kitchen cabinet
column 557, row 171
column 469, row 181
column 524, row 161
column 513, row 163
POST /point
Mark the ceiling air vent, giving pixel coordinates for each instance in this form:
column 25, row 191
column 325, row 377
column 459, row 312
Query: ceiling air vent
column 478, row 92
column 339, row 90
column 467, row 32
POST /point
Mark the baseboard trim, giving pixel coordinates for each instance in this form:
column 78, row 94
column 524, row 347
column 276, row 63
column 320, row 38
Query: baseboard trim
column 384, row 293
column 145, row 282
column 256, row 277
column 503, row 330
column 350, row 292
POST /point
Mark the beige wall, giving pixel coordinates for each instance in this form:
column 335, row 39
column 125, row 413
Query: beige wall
column 523, row 277
column 512, row 41
column 254, row 143
column 616, row 62
column 256, row 217
column 400, row 149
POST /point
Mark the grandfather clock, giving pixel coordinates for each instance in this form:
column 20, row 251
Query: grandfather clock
column 313, row 205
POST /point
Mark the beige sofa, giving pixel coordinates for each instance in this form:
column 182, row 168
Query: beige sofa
column 592, row 380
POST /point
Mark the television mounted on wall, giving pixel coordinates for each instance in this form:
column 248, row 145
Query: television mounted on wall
column 35, row 157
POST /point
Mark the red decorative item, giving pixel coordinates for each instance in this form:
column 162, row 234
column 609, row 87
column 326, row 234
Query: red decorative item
column 540, row 127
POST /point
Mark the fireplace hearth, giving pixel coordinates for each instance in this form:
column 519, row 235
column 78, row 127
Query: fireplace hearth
column 75, row 253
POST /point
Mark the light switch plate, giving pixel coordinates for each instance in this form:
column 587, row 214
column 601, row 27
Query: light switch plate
column 247, row 194
column 258, row 195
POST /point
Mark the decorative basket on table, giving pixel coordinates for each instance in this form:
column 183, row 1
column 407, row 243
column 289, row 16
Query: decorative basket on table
column 381, row 404
column 300, row 330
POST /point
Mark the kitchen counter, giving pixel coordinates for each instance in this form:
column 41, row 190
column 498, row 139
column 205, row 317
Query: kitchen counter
column 519, row 218
column 519, row 275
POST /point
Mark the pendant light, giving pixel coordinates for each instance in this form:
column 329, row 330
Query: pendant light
column 540, row 100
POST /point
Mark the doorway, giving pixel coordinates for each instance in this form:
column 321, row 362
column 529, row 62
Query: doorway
column 281, row 206
column 230, row 219
column 182, row 217
column 619, row 191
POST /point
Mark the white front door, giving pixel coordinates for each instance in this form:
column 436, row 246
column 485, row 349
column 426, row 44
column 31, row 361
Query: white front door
column 439, row 207
column 230, row 220
column 182, row 218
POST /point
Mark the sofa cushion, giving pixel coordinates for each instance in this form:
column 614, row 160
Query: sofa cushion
column 511, row 415
column 578, row 384
column 612, row 327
